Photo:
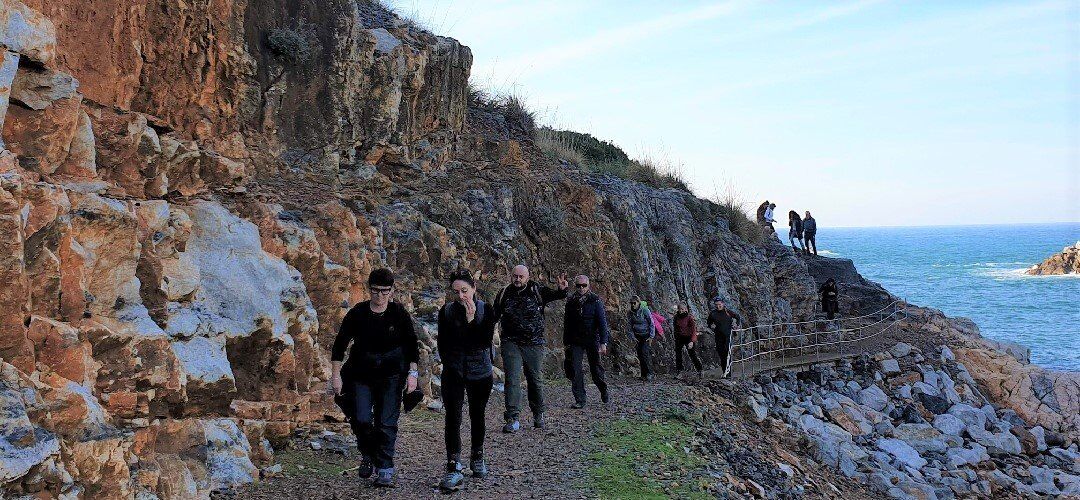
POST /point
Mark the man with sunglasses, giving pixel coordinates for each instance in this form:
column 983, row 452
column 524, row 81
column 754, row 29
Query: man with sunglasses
column 520, row 307
column 382, row 360
column 585, row 334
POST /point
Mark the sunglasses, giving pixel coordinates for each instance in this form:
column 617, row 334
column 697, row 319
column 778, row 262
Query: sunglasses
column 382, row 291
column 582, row 285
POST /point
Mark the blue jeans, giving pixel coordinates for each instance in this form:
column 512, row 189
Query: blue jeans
column 378, row 406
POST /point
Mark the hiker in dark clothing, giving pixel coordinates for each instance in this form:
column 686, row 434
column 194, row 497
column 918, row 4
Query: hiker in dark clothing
column 830, row 298
column 685, row 336
column 810, row 233
column 585, row 334
column 640, row 323
column 720, row 321
column 466, row 326
column 382, row 360
column 520, row 307
column 795, row 230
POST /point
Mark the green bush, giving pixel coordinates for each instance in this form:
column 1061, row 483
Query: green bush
column 292, row 45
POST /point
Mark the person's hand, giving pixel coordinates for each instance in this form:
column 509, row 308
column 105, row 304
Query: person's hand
column 335, row 383
column 689, row 345
column 470, row 311
column 563, row 284
column 603, row 349
column 410, row 383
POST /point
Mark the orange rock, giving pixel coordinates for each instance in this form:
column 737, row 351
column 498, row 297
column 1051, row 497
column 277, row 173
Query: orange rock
column 59, row 347
column 42, row 139
column 101, row 466
column 15, row 293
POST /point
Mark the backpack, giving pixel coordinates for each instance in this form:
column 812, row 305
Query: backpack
column 658, row 323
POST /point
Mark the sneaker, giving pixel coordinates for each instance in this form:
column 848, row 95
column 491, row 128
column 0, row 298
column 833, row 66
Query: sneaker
column 511, row 426
column 605, row 398
column 454, row 477
column 577, row 406
column 538, row 421
column 479, row 467
column 366, row 469
column 384, row 478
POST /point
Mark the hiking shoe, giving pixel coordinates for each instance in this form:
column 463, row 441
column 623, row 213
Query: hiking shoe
column 605, row 397
column 538, row 421
column 384, row 478
column 511, row 426
column 577, row 405
column 479, row 467
column 454, row 477
column 366, row 469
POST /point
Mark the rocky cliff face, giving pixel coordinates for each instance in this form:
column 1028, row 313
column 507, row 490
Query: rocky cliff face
column 192, row 195
column 1065, row 262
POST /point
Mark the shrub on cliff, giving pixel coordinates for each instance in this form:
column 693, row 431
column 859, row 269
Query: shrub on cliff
column 292, row 45
column 733, row 208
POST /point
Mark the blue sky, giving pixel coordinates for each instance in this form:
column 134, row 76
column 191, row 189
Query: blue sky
column 867, row 113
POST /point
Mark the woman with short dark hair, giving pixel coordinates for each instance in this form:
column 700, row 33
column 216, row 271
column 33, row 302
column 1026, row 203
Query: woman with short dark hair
column 795, row 231
column 466, row 326
column 382, row 360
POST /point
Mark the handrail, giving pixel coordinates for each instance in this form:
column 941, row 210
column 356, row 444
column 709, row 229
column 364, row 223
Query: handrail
column 896, row 315
column 897, row 301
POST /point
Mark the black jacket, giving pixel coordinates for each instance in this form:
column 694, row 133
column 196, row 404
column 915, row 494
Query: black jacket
column 830, row 297
column 721, row 321
column 521, row 311
column 465, row 347
column 382, row 344
column 585, row 321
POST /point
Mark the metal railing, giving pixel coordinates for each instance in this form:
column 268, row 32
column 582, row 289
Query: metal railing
column 780, row 345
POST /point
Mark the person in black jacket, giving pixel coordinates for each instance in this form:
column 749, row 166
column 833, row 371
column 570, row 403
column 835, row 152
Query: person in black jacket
column 810, row 232
column 520, row 308
column 830, row 298
column 466, row 326
column 795, row 231
column 383, row 359
column 585, row 334
column 720, row 321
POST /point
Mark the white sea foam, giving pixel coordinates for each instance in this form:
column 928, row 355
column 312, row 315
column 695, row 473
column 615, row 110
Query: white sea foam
column 1019, row 274
column 828, row 253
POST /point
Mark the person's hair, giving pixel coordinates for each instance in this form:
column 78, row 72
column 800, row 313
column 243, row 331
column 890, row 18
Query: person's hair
column 462, row 275
column 381, row 277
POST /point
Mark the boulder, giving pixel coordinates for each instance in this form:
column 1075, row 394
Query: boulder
column 874, row 397
column 27, row 32
column 922, row 437
column 890, row 367
column 1028, row 443
column 902, row 452
column 900, row 350
column 949, row 424
column 973, row 455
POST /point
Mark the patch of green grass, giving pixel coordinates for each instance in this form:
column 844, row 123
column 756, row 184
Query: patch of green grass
column 645, row 459
column 306, row 463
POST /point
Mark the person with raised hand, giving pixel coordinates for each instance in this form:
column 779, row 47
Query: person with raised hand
column 466, row 326
column 520, row 307
column 382, row 361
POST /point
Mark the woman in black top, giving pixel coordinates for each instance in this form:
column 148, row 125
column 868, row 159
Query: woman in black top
column 382, row 360
column 466, row 325
column 795, row 230
column 830, row 298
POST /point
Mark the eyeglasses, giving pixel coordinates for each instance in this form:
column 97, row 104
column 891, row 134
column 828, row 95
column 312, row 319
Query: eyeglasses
column 582, row 285
column 382, row 291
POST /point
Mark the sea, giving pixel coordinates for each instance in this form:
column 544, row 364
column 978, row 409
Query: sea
column 976, row 272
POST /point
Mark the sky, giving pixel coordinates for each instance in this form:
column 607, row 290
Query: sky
column 866, row 113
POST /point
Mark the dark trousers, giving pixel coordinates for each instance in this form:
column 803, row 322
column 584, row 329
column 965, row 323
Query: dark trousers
column 644, row 355
column 811, row 241
column 575, row 353
column 723, row 339
column 454, row 390
column 530, row 357
column 378, row 406
column 679, row 343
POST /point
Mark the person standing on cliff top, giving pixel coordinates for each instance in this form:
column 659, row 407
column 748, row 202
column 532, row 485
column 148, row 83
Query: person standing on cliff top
column 466, row 326
column 761, row 209
column 383, row 359
column 720, row 321
column 810, row 233
column 640, row 324
column 769, row 214
column 685, row 336
column 586, row 334
column 795, row 231
column 520, row 307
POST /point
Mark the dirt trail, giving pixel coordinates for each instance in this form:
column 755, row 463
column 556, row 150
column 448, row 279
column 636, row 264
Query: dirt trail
column 554, row 462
